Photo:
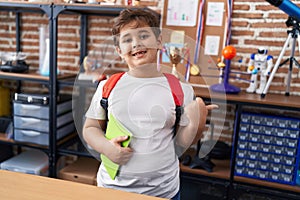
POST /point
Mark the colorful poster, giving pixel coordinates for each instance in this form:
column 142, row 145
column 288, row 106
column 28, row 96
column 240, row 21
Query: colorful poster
column 182, row 13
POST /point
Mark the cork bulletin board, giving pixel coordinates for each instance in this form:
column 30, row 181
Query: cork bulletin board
column 204, row 26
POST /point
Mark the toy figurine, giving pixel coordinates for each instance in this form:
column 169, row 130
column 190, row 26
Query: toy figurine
column 259, row 63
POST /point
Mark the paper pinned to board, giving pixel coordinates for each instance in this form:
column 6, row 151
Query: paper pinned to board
column 212, row 43
column 182, row 13
column 177, row 37
column 114, row 129
column 215, row 12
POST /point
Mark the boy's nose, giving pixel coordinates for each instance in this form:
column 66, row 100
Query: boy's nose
column 136, row 43
column 136, row 46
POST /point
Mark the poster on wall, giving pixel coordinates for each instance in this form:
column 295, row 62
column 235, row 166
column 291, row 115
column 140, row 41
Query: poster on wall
column 182, row 13
column 212, row 43
column 214, row 16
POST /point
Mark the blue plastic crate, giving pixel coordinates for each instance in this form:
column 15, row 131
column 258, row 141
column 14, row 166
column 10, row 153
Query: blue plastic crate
column 268, row 148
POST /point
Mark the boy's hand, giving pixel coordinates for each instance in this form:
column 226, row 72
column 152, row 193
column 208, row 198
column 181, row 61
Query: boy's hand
column 118, row 154
column 203, row 110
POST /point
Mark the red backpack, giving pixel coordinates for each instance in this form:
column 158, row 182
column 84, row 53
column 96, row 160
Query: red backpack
column 174, row 83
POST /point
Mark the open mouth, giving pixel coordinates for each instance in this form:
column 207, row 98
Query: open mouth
column 139, row 53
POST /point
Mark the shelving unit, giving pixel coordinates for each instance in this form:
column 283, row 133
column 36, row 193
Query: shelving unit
column 51, row 81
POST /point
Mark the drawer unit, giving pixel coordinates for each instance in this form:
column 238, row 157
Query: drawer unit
column 31, row 118
column 42, row 125
column 42, row 138
column 268, row 148
column 41, row 111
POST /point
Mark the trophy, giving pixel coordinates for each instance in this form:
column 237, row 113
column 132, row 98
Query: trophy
column 176, row 54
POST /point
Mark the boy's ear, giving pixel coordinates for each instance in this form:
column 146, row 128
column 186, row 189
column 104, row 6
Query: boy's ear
column 118, row 50
column 159, row 42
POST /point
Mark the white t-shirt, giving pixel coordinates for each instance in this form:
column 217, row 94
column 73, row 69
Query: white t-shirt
column 145, row 106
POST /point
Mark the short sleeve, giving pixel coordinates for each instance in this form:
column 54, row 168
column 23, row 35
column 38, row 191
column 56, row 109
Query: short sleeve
column 188, row 98
column 95, row 110
column 188, row 93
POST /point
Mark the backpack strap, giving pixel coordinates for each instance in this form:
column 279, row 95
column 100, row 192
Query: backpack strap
column 178, row 97
column 173, row 81
column 176, row 89
column 110, row 84
column 107, row 88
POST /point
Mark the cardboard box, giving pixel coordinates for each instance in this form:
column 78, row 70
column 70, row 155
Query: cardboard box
column 83, row 170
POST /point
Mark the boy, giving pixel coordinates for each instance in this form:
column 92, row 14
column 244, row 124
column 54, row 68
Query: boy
column 142, row 102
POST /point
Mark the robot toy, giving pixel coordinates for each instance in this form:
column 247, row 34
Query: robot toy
column 262, row 63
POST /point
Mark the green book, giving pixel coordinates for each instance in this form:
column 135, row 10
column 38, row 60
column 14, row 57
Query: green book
column 113, row 130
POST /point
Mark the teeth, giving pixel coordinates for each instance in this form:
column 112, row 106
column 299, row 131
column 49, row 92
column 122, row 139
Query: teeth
column 138, row 53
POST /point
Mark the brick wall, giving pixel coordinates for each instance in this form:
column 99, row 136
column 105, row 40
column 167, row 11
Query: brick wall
column 256, row 24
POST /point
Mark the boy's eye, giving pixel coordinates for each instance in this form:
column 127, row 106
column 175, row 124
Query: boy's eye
column 126, row 40
column 141, row 36
column 144, row 36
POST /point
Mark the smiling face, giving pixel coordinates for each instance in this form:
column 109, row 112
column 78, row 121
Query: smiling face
column 138, row 45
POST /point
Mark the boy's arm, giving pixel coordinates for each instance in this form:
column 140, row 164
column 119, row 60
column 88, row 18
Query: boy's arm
column 196, row 113
column 94, row 136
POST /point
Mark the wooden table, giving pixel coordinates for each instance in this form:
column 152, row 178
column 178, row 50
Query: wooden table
column 270, row 100
column 16, row 186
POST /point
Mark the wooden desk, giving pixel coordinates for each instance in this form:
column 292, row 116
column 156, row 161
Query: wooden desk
column 270, row 100
column 16, row 186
